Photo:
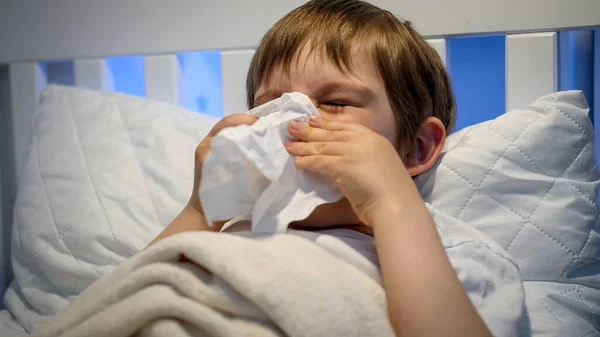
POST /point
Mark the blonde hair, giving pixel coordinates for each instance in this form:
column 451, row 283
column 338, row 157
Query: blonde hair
column 415, row 78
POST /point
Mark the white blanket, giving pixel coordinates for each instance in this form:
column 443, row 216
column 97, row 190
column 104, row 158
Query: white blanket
column 281, row 285
column 292, row 284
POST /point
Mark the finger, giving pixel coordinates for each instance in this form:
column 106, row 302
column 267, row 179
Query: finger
column 307, row 133
column 233, row 120
column 315, row 148
column 323, row 164
column 334, row 125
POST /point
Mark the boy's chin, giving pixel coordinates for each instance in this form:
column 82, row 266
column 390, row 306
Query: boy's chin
column 336, row 214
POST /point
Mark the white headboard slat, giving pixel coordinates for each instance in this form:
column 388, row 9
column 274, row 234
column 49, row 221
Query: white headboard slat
column 440, row 46
column 27, row 80
column 234, row 67
column 531, row 68
column 93, row 74
column 164, row 78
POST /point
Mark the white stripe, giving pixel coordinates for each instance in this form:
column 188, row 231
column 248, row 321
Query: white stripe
column 27, row 80
column 531, row 68
column 93, row 74
column 164, row 78
column 440, row 46
column 234, row 68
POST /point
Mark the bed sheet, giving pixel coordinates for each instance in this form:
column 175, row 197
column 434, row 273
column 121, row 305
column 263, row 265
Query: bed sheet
column 9, row 327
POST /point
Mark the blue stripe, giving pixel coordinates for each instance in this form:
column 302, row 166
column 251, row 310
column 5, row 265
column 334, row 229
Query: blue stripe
column 60, row 72
column 127, row 74
column 478, row 70
column 203, row 90
column 596, row 111
column 576, row 63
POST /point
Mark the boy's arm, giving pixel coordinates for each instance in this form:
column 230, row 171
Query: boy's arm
column 189, row 219
column 425, row 296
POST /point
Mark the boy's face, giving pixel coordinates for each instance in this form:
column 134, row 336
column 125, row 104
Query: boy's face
column 356, row 97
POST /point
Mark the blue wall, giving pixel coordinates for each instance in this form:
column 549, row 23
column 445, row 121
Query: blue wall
column 576, row 63
column 201, row 76
column 596, row 112
column 477, row 68
column 202, row 82
column 128, row 74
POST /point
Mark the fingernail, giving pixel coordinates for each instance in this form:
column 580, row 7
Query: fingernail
column 315, row 118
column 290, row 143
column 295, row 125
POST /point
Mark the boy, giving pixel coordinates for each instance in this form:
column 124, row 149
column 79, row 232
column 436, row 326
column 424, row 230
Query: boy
column 386, row 106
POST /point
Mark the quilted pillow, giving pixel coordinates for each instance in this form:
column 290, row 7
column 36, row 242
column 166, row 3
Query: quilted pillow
column 105, row 173
column 529, row 180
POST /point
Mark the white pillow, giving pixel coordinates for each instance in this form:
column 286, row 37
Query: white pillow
column 529, row 180
column 105, row 173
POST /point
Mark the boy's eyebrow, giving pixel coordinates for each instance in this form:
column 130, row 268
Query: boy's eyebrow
column 359, row 90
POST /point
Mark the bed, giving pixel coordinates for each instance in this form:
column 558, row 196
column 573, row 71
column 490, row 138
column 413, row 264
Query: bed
column 196, row 55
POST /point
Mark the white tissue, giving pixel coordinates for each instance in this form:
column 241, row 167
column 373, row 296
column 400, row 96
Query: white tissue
column 250, row 172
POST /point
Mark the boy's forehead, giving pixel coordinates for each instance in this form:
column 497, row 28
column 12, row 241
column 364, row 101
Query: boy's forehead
column 314, row 64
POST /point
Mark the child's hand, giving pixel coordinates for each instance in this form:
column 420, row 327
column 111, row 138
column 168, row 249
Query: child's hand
column 204, row 148
column 364, row 164
column 192, row 218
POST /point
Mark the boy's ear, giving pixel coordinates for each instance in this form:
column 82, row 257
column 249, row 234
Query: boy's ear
column 427, row 147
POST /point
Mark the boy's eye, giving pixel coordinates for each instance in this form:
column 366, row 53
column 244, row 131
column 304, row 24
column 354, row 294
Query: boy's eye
column 334, row 107
column 336, row 104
